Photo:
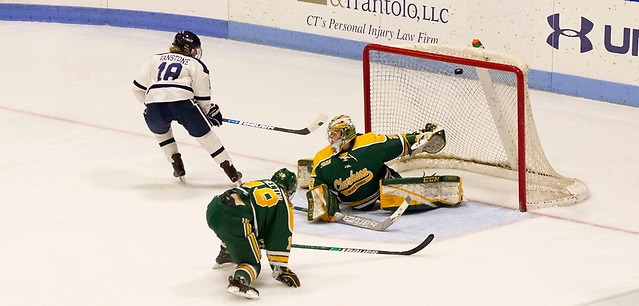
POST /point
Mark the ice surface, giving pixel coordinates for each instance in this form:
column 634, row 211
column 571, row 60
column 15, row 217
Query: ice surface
column 91, row 215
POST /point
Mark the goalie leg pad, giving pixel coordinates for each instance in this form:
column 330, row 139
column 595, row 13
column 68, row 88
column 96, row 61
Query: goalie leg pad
column 425, row 192
column 304, row 169
column 322, row 204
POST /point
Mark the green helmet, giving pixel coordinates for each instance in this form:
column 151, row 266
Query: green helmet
column 286, row 180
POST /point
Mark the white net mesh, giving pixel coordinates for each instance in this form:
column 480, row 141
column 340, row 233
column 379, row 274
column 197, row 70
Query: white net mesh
column 473, row 94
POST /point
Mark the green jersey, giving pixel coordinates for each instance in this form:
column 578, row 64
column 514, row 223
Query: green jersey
column 262, row 219
column 269, row 204
column 355, row 175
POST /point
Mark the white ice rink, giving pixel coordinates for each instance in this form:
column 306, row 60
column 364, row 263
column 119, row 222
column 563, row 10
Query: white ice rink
column 91, row 215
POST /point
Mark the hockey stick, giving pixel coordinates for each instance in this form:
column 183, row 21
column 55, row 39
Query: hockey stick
column 305, row 131
column 365, row 222
column 368, row 251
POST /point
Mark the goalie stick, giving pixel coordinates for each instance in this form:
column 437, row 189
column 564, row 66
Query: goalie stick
column 412, row 251
column 365, row 222
column 304, row 131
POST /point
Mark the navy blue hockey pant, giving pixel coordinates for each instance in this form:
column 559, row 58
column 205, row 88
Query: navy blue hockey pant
column 158, row 117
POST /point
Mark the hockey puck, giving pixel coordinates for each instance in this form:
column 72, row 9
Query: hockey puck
column 459, row 71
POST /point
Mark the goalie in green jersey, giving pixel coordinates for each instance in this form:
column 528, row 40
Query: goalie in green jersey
column 254, row 216
column 350, row 170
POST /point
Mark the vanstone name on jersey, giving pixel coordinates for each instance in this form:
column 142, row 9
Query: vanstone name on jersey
column 175, row 58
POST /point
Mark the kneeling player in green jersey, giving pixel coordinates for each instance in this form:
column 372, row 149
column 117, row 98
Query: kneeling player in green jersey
column 353, row 166
column 256, row 215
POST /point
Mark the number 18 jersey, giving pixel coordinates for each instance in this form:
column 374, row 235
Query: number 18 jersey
column 172, row 77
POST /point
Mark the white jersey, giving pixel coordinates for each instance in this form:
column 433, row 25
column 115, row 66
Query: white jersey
column 172, row 77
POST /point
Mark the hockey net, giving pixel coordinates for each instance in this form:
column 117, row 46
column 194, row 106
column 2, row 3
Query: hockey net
column 481, row 99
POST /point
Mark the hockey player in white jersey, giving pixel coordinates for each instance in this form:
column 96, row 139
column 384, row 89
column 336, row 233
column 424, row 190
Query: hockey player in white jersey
column 175, row 86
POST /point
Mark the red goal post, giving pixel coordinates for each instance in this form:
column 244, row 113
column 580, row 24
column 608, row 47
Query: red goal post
column 481, row 99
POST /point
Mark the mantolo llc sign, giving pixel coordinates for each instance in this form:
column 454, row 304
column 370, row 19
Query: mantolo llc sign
column 404, row 10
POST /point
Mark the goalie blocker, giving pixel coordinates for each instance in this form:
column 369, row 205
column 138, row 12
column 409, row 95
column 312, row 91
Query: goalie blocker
column 425, row 193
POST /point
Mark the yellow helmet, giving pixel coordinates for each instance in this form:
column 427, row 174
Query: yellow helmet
column 343, row 125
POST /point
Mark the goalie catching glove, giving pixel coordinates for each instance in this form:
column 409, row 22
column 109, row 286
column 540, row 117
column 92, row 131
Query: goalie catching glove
column 431, row 139
column 214, row 115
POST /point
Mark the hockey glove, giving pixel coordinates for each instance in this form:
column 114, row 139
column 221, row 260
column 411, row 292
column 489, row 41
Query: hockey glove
column 287, row 277
column 430, row 139
column 426, row 132
column 214, row 115
column 227, row 198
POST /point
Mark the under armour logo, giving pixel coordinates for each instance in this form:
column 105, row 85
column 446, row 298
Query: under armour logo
column 553, row 38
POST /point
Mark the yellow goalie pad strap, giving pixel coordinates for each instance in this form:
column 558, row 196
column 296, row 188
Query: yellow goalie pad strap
column 322, row 204
column 304, row 169
column 425, row 192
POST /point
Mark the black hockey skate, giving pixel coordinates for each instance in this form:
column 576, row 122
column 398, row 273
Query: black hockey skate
column 178, row 166
column 223, row 259
column 234, row 175
column 238, row 286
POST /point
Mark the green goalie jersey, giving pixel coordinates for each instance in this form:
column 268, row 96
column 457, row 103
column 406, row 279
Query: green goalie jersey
column 356, row 174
